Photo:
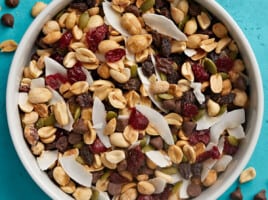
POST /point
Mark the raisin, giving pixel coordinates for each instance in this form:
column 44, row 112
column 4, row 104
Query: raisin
column 81, row 6
column 165, row 47
column 137, row 120
column 189, row 110
column 169, row 105
column 189, row 97
column 229, row 148
column 132, row 84
column 117, row 178
column 147, row 68
column 240, row 83
column 185, row 170
column 200, row 73
column 196, row 169
column 24, row 88
column 80, row 127
column 121, row 124
column 188, row 127
column 97, row 147
column 62, row 144
column 55, row 80
column 164, row 195
column 96, row 176
column 194, row 190
column 133, row 9
column 114, row 188
column 115, row 55
column 75, row 74
column 157, row 37
column 122, row 166
column 91, row 3
column 86, row 155
column 84, row 100
column 135, row 159
column 224, row 64
column 200, row 136
column 194, row 9
column 157, row 142
column 173, row 77
column 165, row 12
column 56, row 56
column 95, row 36
column 74, row 138
column 164, row 65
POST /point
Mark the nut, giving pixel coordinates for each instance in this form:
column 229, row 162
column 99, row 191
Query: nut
column 69, row 188
column 76, row 45
column 213, row 108
column 85, row 55
column 93, row 11
column 208, row 45
column 241, row 98
column 35, row 72
column 41, row 109
column 189, row 152
column 72, row 152
column 177, row 14
column 110, row 127
column 60, row 176
column 222, row 43
column 62, row 20
column 199, row 148
column 131, row 134
column 142, row 177
column 203, row 20
column 219, row 30
column 211, row 178
column 107, row 45
column 77, row 32
column 70, row 20
column 48, row 140
column 194, row 40
column 52, row 37
column 127, row 186
column 175, row 153
column 118, row 140
column 38, row 148
column 226, row 87
column 51, row 26
column 120, row 76
column 61, row 113
column 103, row 71
column 145, row 187
column 142, row 56
column 216, row 83
column 46, row 131
column 39, row 95
column 174, row 119
column 190, row 26
column 130, row 194
column 30, row 118
column 38, row 7
column 184, row 6
column 91, row 135
column 94, row 21
column 116, row 99
column 132, row 98
column 177, row 46
column 131, row 23
column 138, row 43
column 164, row 176
column 82, row 193
column 247, row 175
column 31, row 135
column 107, row 163
column 8, row 46
column 69, row 60
column 199, row 55
column 115, row 156
column 79, row 87
column 187, row 72
column 238, row 66
column 159, row 87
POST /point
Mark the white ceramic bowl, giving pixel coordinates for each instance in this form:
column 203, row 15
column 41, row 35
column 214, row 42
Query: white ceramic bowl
column 254, row 115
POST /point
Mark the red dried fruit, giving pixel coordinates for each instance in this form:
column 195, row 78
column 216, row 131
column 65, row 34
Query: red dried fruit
column 229, row 148
column 212, row 153
column 224, row 64
column 135, row 159
column 137, row 120
column 117, row 178
column 115, row 55
column 58, row 57
column 145, row 197
column 95, row 36
column 189, row 110
column 75, row 74
column 199, row 136
column 65, row 39
column 55, row 80
column 97, row 147
column 200, row 73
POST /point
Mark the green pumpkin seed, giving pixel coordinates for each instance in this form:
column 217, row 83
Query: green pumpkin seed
column 105, row 175
column 166, row 96
column 47, row 121
column 210, row 65
column 176, row 187
column 95, row 195
column 133, row 71
column 77, row 113
column 232, row 140
column 224, row 75
column 147, row 148
column 199, row 114
column 78, row 145
column 80, row 160
column 83, row 20
column 169, row 170
column 163, row 76
column 222, row 109
column 110, row 115
column 183, row 22
column 147, row 5
column 143, row 142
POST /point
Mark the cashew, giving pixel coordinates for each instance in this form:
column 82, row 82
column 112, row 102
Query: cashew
column 247, row 175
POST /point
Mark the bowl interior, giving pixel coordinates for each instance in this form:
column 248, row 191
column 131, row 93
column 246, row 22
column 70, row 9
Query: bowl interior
column 254, row 115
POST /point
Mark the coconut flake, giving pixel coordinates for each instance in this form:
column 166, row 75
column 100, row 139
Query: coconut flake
column 56, row 97
column 158, row 158
column 23, row 102
column 164, row 26
column 99, row 117
column 206, row 121
column 47, row 159
column 76, row 171
column 113, row 18
column 237, row 132
column 183, row 194
column 221, row 144
column 155, row 68
column 159, row 184
column 223, row 163
column 231, row 120
column 146, row 84
column 103, row 195
column 207, row 165
column 190, row 52
column 197, row 92
column 38, row 83
column 53, row 67
column 158, row 121
column 88, row 75
column 176, row 178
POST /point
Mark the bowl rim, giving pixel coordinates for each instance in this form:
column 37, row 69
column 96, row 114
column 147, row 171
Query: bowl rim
column 13, row 83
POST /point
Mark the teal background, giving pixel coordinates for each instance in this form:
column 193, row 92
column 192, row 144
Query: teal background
column 15, row 183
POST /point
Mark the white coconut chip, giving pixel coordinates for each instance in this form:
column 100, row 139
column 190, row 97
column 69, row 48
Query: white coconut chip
column 99, row 117
column 158, row 158
column 159, row 184
column 103, row 195
column 232, row 119
column 76, row 171
column 197, row 92
column 223, row 163
column 38, row 83
column 190, row 52
column 113, row 18
column 158, row 121
column 155, row 68
column 53, row 67
column 206, row 121
column 221, row 144
column 56, row 97
column 183, row 194
column 88, row 75
column 207, row 165
column 164, row 26
column 176, row 178
column 146, row 84
column 237, row 132
column 47, row 159
column 23, row 102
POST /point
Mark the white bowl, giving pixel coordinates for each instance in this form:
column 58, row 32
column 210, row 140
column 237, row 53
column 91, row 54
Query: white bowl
column 254, row 115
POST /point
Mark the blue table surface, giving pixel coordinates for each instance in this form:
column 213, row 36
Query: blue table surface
column 15, row 182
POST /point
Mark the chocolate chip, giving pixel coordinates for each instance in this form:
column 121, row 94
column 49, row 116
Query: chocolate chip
column 260, row 196
column 194, row 190
column 133, row 9
column 7, row 20
column 86, row 155
column 74, row 138
column 236, row 195
column 80, row 127
column 157, row 142
column 121, row 124
column 122, row 166
column 188, row 127
column 62, row 144
column 114, row 189
column 12, row 3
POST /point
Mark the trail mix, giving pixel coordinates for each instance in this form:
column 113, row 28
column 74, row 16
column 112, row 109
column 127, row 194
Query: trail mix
column 134, row 99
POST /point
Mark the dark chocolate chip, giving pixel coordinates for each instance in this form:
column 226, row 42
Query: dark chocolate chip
column 236, row 195
column 194, row 190
column 260, row 196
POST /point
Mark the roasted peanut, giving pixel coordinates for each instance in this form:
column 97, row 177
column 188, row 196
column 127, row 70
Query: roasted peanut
column 82, row 193
column 190, row 27
column 241, row 98
column 159, row 87
column 60, row 176
column 219, row 30
column 52, row 37
column 175, row 153
column 138, row 43
column 213, row 108
column 118, row 140
column 30, row 118
column 247, row 175
column 38, row 7
column 115, row 156
column 131, row 23
column 211, row 178
column 39, row 95
column 46, row 131
column 130, row 134
column 61, row 113
column 51, row 26
column 145, row 187
column 107, row 45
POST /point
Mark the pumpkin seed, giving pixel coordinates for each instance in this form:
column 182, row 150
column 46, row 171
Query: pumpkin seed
column 210, row 65
column 47, row 121
column 78, row 145
column 232, row 140
column 77, row 113
column 222, row 109
column 133, row 71
column 224, row 75
column 147, row 148
column 110, row 115
column 199, row 115
column 166, row 96
column 176, row 187
column 163, row 76
column 95, row 195
column 169, row 170
column 147, row 5
column 83, row 20
column 183, row 22
column 80, row 160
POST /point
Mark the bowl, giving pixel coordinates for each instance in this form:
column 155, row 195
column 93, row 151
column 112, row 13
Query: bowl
column 254, row 114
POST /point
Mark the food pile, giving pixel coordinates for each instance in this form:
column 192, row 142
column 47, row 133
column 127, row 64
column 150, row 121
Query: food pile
column 134, row 99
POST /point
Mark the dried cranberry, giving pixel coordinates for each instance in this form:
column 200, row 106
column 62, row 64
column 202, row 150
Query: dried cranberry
column 145, row 197
column 135, row 159
column 115, row 55
column 95, row 36
column 117, row 178
column 189, row 110
column 137, row 120
column 97, row 147
column 200, row 136
column 229, row 148
column 224, row 64
column 200, row 73
column 55, row 80
column 65, row 39
column 212, row 153
column 75, row 74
